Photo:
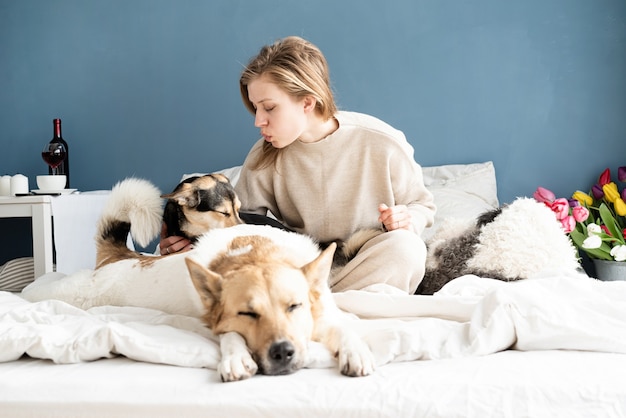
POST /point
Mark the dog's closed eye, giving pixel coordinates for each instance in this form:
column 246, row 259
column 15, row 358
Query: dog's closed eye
column 251, row 314
column 255, row 315
column 293, row 307
column 225, row 214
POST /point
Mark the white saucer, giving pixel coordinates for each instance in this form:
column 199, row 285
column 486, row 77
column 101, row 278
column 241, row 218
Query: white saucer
column 62, row 191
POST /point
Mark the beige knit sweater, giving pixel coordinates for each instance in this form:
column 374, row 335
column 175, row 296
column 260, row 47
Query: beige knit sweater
column 331, row 188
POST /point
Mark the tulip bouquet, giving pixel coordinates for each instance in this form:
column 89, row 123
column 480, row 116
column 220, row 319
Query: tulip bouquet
column 595, row 221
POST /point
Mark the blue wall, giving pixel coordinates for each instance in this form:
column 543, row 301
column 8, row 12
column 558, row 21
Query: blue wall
column 150, row 87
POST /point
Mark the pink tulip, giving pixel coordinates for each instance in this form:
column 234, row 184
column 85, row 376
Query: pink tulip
column 561, row 208
column 544, row 195
column 580, row 213
column 568, row 223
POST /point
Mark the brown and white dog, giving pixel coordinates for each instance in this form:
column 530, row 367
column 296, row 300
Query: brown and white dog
column 262, row 290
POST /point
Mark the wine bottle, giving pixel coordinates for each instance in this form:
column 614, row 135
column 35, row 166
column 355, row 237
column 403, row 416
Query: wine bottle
column 64, row 167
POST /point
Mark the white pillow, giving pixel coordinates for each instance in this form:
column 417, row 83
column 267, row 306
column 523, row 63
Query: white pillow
column 461, row 191
column 478, row 179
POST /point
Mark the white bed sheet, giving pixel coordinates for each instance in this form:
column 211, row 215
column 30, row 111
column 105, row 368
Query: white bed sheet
column 470, row 316
column 443, row 355
column 506, row 384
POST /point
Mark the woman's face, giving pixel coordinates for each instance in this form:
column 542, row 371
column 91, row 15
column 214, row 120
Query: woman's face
column 281, row 118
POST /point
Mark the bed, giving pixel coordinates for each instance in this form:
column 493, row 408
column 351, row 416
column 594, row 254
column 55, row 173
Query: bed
column 553, row 345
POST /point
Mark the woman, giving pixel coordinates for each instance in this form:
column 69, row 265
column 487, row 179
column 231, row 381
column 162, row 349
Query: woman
column 328, row 173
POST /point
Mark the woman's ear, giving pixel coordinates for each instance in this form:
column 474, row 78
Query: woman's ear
column 309, row 103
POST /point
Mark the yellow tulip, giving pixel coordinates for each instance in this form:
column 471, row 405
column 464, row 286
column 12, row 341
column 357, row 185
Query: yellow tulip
column 620, row 206
column 583, row 198
column 610, row 192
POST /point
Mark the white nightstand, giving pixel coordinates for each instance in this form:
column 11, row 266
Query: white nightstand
column 70, row 237
column 39, row 209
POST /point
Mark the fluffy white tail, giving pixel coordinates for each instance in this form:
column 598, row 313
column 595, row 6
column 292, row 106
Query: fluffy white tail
column 136, row 202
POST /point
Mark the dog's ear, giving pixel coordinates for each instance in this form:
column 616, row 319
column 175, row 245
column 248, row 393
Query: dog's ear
column 318, row 270
column 208, row 284
column 184, row 196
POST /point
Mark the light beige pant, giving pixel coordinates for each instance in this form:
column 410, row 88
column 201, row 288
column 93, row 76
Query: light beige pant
column 396, row 258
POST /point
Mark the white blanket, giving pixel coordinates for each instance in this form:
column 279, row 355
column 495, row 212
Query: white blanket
column 471, row 316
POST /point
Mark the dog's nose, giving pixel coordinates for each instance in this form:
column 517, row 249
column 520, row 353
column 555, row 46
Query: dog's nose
column 281, row 353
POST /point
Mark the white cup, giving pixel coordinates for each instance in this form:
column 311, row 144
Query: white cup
column 5, row 185
column 51, row 182
column 19, row 184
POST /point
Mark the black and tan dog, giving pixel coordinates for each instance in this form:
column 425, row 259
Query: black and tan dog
column 199, row 204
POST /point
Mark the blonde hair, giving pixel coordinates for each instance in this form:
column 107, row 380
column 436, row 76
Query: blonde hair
column 297, row 67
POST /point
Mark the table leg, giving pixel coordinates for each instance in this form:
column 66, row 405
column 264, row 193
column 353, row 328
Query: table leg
column 42, row 239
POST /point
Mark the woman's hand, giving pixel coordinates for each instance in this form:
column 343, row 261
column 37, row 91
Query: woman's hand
column 395, row 217
column 173, row 244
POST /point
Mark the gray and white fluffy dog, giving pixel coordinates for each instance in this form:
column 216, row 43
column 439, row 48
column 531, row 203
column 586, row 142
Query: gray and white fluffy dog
column 517, row 241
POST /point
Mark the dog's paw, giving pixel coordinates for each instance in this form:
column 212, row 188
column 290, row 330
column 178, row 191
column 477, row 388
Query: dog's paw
column 235, row 367
column 236, row 363
column 355, row 358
